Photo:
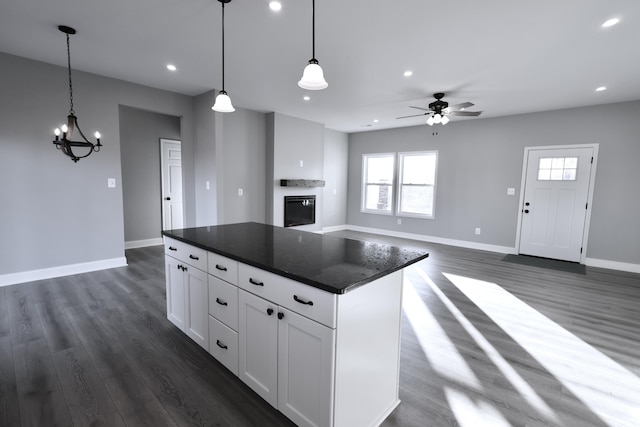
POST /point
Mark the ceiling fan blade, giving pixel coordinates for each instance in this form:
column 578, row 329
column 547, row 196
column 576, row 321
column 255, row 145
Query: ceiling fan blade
column 420, row 108
column 465, row 113
column 461, row 106
column 414, row 115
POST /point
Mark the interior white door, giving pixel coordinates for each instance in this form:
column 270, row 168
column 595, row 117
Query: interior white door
column 172, row 206
column 555, row 202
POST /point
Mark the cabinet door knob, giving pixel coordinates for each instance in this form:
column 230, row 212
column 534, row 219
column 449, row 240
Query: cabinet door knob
column 295, row 297
column 219, row 301
column 221, row 268
column 280, row 315
column 255, row 282
column 219, row 344
column 167, row 198
column 269, row 311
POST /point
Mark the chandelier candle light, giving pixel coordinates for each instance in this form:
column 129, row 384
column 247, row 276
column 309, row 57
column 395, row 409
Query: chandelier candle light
column 223, row 102
column 65, row 144
column 313, row 76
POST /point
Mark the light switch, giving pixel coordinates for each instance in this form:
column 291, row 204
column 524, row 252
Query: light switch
column 511, row 191
column 207, row 185
column 240, row 192
column 111, row 182
column 301, row 163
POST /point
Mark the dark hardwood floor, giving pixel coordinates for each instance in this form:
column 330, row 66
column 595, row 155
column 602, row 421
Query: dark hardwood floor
column 484, row 343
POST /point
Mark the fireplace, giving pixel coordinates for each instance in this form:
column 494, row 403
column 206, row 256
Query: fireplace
column 299, row 210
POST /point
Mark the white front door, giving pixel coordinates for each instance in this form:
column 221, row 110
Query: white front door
column 171, row 158
column 554, row 203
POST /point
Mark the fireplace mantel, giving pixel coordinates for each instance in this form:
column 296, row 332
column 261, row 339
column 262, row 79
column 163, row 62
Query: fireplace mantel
column 302, row 183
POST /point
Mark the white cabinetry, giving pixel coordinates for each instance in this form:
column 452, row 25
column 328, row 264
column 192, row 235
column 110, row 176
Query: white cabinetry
column 187, row 290
column 285, row 357
column 223, row 310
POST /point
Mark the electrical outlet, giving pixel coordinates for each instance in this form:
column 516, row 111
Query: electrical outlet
column 111, row 182
column 511, row 191
column 477, row 230
column 399, row 221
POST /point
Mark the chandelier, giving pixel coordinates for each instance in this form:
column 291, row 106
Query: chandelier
column 313, row 76
column 65, row 144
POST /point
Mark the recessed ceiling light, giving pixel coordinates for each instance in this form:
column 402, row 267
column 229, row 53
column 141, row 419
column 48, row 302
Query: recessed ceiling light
column 408, row 73
column 275, row 6
column 601, row 88
column 610, row 22
column 375, row 120
column 171, row 67
column 306, row 98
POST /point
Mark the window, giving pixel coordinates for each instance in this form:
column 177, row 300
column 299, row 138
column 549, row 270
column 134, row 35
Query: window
column 415, row 183
column 377, row 182
column 557, row 169
column 417, row 177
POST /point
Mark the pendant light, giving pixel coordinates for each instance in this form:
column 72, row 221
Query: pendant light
column 313, row 77
column 223, row 102
column 65, row 144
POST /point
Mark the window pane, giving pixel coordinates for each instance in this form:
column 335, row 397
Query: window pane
column 557, row 163
column 418, row 178
column 571, row 162
column 545, row 163
column 378, row 197
column 569, row 175
column 380, row 169
column 417, row 200
column 556, row 174
column 557, row 169
column 544, row 174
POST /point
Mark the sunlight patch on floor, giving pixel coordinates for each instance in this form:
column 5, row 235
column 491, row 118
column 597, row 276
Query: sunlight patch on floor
column 605, row 387
column 440, row 351
column 473, row 414
column 505, row 368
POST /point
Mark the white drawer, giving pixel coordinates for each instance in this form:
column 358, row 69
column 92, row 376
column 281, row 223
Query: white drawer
column 223, row 345
column 306, row 300
column 223, row 267
column 186, row 253
column 223, row 302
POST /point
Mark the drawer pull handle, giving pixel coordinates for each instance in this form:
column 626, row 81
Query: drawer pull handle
column 194, row 257
column 295, row 297
column 219, row 301
column 221, row 268
column 269, row 311
column 255, row 282
column 182, row 267
column 219, row 344
column 171, row 248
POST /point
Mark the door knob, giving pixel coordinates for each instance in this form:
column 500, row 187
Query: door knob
column 167, row 198
column 526, row 204
column 526, row 211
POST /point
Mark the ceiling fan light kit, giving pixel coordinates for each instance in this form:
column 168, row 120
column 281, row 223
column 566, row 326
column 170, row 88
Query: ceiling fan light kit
column 65, row 144
column 438, row 111
column 223, row 101
column 313, row 76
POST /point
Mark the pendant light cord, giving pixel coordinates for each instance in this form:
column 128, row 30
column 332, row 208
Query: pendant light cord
column 223, row 46
column 70, row 84
column 313, row 29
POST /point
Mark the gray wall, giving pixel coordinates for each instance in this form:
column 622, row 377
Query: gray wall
column 55, row 212
column 208, row 143
column 336, row 162
column 294, row 140
column 140, row 134
column 480, row 159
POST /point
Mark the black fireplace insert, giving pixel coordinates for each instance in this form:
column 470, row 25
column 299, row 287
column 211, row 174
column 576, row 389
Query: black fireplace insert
column 299, row 210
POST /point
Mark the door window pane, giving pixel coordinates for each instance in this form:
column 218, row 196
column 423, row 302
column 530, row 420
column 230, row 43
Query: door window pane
column 557, row 169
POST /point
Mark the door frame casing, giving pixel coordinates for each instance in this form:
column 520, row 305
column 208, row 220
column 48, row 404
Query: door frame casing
column 162, row 172
column 592, row 178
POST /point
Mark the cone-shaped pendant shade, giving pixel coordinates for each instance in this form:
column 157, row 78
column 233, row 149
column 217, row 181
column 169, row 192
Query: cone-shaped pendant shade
column 313, row 77
column 223, row 103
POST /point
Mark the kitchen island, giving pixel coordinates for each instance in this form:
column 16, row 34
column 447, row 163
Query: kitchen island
column 309, row 322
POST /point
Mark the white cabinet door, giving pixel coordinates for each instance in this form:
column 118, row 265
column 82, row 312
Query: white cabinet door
column 175, row 292
column 305, row 370
column 258, row 342
column 197, row 306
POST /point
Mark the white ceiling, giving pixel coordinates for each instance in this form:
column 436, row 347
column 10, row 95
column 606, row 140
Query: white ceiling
column 508, row 57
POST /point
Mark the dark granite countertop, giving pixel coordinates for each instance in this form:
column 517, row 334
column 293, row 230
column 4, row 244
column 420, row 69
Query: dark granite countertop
column 331, row 263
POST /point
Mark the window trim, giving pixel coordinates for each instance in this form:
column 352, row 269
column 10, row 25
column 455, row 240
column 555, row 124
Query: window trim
column 363, row 189
column 400, row 159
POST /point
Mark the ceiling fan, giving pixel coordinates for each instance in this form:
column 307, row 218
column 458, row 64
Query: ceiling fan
column 438, row 111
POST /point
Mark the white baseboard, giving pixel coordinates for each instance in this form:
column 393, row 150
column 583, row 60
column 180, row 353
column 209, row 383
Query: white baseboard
column 612, row 265
column 433, row 239
column 143, row 243
column 63, row 270
column 334, row 228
